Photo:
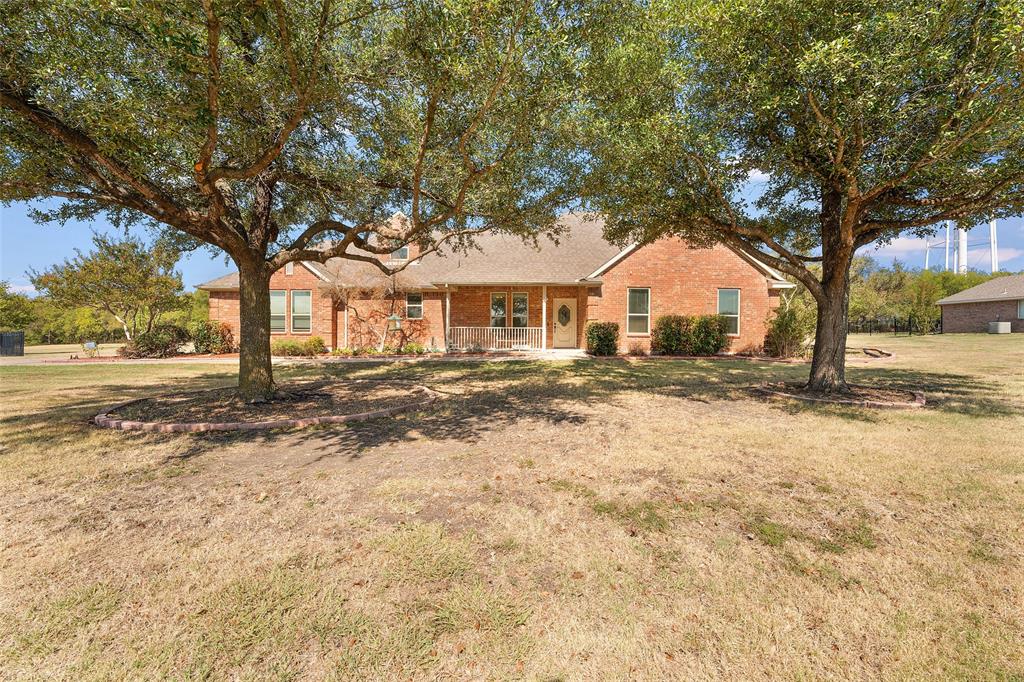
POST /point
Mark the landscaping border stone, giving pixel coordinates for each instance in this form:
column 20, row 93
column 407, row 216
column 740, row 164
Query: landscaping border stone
column 108, row 421
column 917, row 402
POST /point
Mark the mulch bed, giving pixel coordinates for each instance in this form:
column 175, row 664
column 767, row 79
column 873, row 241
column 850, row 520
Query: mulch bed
column 859, row 395
column 297, row 404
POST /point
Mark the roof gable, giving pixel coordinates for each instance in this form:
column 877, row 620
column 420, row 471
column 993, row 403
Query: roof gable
column 1004, row 288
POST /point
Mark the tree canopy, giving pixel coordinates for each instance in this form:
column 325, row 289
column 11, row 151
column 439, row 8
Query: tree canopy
column 866, row 120
column 136, row 285
column 291, row 131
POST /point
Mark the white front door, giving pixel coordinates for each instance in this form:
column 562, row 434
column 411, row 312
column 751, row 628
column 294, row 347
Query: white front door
column 565, row 323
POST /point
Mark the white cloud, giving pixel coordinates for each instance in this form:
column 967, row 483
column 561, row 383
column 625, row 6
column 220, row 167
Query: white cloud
column 23, row 289
column 1007, row 254
column 757, row 176
column 901, row 246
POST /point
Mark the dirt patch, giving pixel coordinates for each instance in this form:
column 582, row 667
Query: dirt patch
column 859, row 395
column 294, row 401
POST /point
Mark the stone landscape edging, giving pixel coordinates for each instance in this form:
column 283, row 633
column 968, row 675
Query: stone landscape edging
column 918, row 401
column 105, row 420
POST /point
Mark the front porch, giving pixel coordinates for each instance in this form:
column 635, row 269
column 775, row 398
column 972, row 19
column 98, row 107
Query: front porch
column 514, row 318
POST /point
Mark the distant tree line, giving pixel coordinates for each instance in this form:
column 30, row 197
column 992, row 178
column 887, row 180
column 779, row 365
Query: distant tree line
column 120, row 289
column 881, row 295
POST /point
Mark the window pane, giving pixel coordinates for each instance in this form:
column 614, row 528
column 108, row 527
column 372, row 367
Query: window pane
column 277, row 318
column 401, row 253
column 520, row 310
column 637, row 324
column 414, row 306
column 732, row 324
column 639, row 301
column 728, row 301
column 277, row 303
column 1020, row 309
column 302, row 302
column 498, row 310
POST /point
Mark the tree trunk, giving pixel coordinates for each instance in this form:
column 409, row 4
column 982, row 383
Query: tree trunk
column 828, row 366
column 255, row 375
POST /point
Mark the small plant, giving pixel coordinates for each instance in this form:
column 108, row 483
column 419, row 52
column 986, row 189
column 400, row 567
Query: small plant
column 160, row 342
column 788, row 330
column 315, row 345
column 602, row 338
column 413, row 348
column 211, row 337
column 343, row 352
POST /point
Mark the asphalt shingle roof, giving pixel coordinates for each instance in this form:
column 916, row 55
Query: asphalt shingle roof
column 1008, row 288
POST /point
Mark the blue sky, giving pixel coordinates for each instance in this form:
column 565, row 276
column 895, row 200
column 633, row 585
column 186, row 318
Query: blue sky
column 25, row 244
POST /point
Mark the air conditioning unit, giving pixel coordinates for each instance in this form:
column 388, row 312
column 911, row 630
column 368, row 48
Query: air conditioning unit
column 998, row 327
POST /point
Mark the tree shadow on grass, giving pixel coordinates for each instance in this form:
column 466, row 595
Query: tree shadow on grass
column 479, row 398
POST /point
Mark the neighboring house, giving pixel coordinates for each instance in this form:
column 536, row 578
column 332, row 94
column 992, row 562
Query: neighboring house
column 997, row 300
column 508, row 294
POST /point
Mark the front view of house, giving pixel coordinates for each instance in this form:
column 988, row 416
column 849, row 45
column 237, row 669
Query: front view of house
column 507, row 294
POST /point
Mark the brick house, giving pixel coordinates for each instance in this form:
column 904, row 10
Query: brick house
column 997, row 300
column 506, row 294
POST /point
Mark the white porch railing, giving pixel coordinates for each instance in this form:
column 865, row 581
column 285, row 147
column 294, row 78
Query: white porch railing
column 495, row 338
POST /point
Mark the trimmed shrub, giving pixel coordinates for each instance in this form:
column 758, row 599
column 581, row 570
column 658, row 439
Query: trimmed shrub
column 689, row 335
column 160, row 342
column 413, row 348
column 288, row 348
column 602, row 338
column 212, row 337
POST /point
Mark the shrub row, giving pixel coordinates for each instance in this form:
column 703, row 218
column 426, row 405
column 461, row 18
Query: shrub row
column 411, row 348
column 314, row 345
column 159, row 342
column 689, row 335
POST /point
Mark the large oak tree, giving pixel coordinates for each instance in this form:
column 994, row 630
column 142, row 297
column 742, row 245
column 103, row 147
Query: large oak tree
column 288, row 131
column 869, row 119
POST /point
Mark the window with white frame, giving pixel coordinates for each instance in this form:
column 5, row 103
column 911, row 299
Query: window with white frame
column 414, row 306
column 520, row 310
column 1020, row 309
column 638, row 311
column 729, row 308
column 499, row 310
column 277, row 313
column 401, row 253
column 302, row 311
column 289, row 268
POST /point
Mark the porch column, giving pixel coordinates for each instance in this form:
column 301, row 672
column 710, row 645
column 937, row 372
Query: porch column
column 544, row 317
column 447, row 315
column 346, row 324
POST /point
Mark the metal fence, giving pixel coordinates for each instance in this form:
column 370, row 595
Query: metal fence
column 895, row 325
column 12, row 343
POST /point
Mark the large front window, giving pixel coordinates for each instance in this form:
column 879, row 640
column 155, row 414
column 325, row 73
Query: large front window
column 729, row 308
column 401, row 253
column 520, row 310
column 277, row 314
column 302, row 312
column 638, row 311
column 499, row 310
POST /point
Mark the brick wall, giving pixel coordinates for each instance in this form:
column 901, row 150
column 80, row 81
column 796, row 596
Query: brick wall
column 684, row 281
column 224, row 306
column 366, row 318
column 974, row 317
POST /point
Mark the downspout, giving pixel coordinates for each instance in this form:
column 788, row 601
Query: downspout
column 447, row 316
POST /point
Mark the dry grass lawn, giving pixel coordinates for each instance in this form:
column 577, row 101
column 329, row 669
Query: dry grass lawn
column 572, row 520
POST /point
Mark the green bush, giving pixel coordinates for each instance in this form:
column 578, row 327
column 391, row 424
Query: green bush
column 689, row 335
column 788, row 330
column 289, row 348
column 602, row 338
column 160, row 342
column 413, row 348
column 212, row 337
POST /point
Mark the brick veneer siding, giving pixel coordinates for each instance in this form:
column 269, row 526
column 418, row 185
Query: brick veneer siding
column 365, row 319
column 974, row 317
column 684, row 281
